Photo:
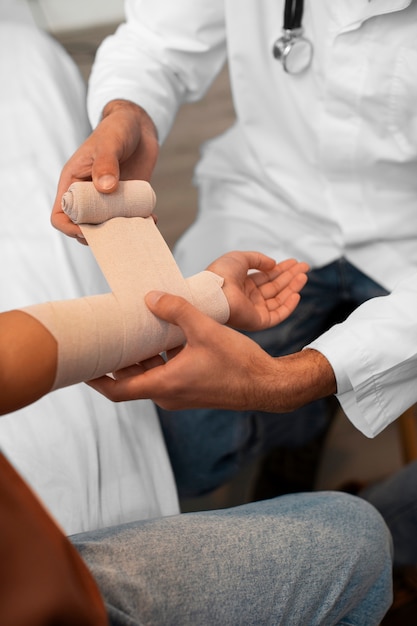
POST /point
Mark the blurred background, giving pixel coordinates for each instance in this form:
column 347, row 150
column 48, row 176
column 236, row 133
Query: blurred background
column 80, row 26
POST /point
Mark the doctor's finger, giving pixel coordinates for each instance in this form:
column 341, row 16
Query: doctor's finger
column 176, row 310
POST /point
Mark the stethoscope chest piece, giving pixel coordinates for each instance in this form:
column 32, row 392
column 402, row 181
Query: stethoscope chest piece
column 293, row 50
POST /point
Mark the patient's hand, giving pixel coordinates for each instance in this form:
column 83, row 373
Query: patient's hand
column 262, row 298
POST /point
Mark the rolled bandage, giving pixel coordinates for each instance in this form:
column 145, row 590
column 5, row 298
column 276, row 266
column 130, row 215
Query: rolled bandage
column 85, row 205
column 100, row 334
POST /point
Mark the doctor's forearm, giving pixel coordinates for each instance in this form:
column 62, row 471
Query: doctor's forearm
column 299, row 378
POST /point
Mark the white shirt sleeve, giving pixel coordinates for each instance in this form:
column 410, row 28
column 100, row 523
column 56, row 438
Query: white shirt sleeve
column 374, row 357
column 165, row 54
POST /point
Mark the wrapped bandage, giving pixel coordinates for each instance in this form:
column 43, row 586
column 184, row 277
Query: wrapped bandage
column 85, row 205
column 100, row 334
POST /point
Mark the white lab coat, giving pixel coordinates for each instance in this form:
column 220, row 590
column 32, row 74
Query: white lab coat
column 374, row 356
column 324, row 163
column 317, row 166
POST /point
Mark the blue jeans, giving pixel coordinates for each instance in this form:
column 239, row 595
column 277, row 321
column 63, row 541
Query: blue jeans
column 315, row 559
column 396, row 499
column 207, row 447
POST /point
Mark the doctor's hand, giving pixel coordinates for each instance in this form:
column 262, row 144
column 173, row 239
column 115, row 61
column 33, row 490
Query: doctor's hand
column 264, row 297
column 218, row 367
column 124, row 146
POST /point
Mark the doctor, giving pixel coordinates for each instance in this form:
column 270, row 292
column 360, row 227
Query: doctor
column 319, row 165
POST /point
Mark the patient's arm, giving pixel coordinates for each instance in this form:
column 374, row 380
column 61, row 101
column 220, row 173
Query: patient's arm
column 54, row 344
column 28, row 359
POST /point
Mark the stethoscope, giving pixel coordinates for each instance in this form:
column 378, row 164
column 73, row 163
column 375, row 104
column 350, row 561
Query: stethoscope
column 292, row 49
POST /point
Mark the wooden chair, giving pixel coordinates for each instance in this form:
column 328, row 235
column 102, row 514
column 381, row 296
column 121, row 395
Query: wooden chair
column 408, row 434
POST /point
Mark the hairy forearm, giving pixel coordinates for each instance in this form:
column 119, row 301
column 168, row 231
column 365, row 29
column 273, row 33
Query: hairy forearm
column 281, row 384
column 292, row 381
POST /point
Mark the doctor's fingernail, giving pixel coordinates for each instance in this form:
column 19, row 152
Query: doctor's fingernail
column 108, row 181
column 152, row 297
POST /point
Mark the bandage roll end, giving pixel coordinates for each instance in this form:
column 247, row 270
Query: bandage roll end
column 85, row 205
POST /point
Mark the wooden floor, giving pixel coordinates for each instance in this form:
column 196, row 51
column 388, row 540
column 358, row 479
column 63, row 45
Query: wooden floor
column 349, row 455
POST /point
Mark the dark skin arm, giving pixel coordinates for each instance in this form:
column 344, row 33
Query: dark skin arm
column 28, row 360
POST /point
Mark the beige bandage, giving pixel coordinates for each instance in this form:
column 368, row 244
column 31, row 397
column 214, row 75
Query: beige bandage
column 85, row 205
column 100, row 334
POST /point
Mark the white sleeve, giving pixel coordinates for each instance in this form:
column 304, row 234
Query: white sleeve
column 374, row 357
column 166, row 53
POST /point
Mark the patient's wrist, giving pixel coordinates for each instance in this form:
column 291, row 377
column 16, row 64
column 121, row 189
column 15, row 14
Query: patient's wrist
column 208, row 295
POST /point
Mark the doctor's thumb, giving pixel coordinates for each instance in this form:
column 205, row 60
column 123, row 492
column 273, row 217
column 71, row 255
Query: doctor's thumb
column 172, row 309
column 105, row 171
column 106, row 183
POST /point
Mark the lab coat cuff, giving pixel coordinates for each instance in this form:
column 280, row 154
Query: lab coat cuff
column 338, row 352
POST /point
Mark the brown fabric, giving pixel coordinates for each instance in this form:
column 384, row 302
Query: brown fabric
column 43, row 581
